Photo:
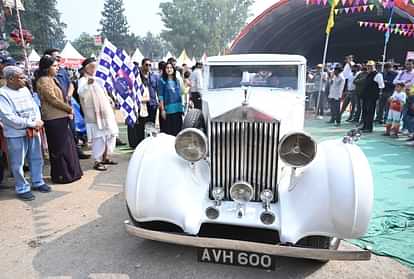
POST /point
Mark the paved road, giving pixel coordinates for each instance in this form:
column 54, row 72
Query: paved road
column 77, row 232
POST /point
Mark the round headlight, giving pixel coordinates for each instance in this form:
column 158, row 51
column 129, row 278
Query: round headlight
column 297, row 149
column 191, row 144
column 266, row 195
column 241, row 192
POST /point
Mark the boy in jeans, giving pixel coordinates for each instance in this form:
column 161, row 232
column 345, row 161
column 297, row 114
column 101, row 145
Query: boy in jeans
column 396, row 105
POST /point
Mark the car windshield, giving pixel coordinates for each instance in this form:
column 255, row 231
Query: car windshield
column 271, row 76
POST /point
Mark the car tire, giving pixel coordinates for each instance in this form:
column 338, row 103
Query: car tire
column 320, row 242
column 194, row 119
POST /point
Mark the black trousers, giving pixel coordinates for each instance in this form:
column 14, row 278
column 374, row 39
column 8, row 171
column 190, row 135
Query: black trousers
column 350, row 98
column 173, row 124
column 136, row 133
column 335, row 110
column 382, row 110
column 358, row 108
column 196, row 99
column 368, row 113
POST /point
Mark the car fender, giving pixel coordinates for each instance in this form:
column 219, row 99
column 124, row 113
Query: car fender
column 161, row 186
column 333, row 196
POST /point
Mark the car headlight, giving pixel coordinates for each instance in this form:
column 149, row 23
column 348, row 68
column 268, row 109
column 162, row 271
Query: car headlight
column 297, row 149
column 191, row 144
column 241, row 192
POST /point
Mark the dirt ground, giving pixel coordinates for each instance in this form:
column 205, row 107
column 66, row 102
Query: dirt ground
column 77, row 231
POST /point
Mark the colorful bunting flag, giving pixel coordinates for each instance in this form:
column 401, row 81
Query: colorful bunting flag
column 402, row 29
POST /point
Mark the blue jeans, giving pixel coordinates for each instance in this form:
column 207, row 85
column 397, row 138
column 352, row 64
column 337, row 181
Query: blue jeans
column 20, row 148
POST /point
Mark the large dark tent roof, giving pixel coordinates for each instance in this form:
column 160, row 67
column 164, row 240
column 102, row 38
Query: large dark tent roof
column 292, row 27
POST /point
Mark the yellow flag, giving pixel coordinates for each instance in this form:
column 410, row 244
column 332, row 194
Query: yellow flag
column 331, row 20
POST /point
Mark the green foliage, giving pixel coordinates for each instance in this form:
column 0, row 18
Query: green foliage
column 85, row 44
column 152, row 46
column 42, row 19
column 200, row 26
column 114, row 24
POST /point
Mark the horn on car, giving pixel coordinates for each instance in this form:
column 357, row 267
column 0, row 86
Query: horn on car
column 297, row 149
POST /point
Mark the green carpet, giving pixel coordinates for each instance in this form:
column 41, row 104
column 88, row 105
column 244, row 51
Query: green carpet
column 391, row 231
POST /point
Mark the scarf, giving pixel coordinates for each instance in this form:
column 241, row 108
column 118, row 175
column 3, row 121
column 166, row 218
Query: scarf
column 104, row 113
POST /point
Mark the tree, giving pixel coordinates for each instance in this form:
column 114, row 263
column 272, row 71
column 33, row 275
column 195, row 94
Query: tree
column 114, row 23
column 152, row 46
column 85, row 43
column 42, row 19
column 200, row 26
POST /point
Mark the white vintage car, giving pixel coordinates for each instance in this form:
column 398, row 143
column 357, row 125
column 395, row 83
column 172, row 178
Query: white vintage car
column 243, row 182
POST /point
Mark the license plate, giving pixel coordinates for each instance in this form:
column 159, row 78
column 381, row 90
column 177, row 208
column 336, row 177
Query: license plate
column 239, row 258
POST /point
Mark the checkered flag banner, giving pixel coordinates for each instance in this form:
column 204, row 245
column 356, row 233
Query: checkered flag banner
column 121, row 79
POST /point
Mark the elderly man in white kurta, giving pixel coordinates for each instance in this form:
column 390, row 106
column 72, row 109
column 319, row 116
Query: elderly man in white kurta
column 99, row 116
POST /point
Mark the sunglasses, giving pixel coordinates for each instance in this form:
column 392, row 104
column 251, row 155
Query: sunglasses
column 148, row 65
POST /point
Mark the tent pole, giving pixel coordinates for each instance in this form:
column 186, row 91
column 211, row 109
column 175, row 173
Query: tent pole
column 26, row 60
column 325, row 52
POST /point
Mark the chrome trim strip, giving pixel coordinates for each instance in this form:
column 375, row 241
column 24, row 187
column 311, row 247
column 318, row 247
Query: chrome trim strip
column 288, row 251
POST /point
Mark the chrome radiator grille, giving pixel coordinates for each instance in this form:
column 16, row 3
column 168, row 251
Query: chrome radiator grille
column 244, row 151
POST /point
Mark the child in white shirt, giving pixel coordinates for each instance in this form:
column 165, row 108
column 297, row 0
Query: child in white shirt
column 396, row 105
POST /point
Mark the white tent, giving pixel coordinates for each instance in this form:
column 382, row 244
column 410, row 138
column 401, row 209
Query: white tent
column 184, row 59
column 34, row 57
column 70, row 56
column 137, row 57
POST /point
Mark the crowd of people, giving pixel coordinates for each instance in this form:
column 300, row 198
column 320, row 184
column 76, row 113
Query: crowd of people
column 385, row 97
column 40, row 116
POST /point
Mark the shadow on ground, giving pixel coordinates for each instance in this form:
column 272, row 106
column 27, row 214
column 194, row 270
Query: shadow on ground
column 103, row 247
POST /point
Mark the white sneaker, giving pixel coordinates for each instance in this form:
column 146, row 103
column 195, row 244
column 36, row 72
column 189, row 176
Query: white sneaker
column 320, row 117
column 405, row 132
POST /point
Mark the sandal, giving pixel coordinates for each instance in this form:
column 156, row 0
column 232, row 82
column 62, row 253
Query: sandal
column 109, row 162
column 99, row 166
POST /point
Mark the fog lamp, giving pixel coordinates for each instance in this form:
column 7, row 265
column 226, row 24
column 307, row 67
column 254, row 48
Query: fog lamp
column 266, row 196
column 241, row 192
column 218, row 195
column 212, row 213
column 191, row 144
column 297, row 149
column 267, row 218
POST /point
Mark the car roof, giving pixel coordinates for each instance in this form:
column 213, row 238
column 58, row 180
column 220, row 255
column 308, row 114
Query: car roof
column 256, row 59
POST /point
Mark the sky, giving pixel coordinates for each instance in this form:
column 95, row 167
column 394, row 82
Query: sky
column 142, row 15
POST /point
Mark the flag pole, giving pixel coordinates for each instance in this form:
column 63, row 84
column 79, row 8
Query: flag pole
column 387, row 38
column 325, row 52
column 329, row 26
column 26, row 59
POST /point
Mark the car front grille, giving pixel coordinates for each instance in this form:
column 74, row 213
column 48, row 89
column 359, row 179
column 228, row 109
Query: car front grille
column 244, row 151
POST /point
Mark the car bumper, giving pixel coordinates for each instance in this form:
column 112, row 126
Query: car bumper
column 277, row 250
